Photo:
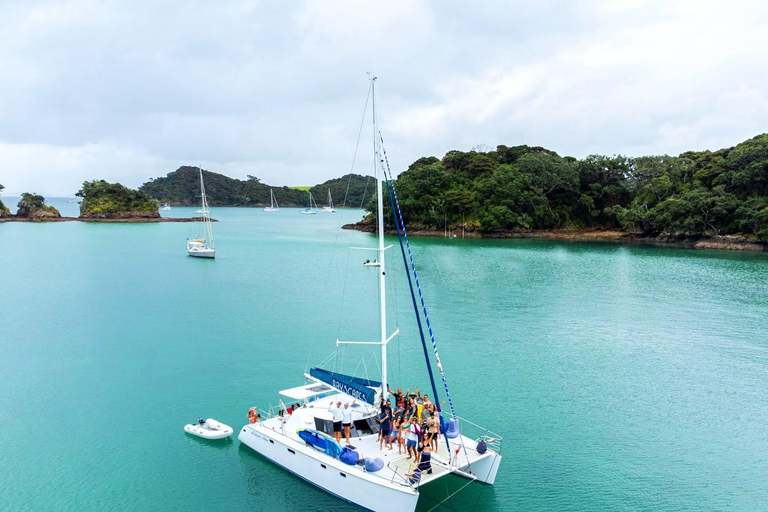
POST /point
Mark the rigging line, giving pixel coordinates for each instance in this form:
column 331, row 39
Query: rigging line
column 391, row 194
column 336, row 238
column 418, row 284
column 357, row 146
column 451, row 495
column 421, row 296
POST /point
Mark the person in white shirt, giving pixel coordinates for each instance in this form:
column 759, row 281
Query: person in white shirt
column 338, row 415
column 346, row 420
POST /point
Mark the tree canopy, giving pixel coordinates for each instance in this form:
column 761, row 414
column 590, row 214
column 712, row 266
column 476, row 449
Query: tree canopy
column 31, row 204
column 522, row 187
column 102, row 199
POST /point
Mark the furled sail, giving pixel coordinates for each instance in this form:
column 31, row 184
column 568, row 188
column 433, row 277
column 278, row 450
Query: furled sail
column 357, row 388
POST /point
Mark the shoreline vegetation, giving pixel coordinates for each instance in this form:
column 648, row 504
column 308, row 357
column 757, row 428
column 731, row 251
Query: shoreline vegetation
column 725, row 242
column 102, row 202
column 697, row 199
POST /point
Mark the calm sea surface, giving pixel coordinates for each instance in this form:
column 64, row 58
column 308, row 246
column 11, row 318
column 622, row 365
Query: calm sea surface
column 620, row 377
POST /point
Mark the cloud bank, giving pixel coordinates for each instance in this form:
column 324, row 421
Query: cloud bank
column 126, row 91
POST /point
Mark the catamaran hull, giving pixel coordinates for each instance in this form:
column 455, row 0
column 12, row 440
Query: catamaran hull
column 330, row 475
column 204, row 253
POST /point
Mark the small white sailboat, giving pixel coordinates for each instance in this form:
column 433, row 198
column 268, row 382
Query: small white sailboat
column 273, row 206
column 165, row 207
column 329, row 208
column 208, row 429
column 302, row 441
column 308, row 210
column 203, row 247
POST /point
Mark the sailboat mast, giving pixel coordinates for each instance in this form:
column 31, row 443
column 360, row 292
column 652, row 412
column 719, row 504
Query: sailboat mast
column 382, row 267
column 206, row 215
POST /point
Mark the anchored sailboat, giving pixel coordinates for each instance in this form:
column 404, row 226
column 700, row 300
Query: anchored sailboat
column 273, row 206
column 329, row 208
column 300, row 438
column 203, row 247
column 308, row 210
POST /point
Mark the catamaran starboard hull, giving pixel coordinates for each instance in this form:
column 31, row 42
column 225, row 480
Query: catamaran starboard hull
column 348, row 483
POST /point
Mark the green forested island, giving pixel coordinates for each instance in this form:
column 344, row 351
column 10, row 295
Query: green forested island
column 182, row 187
column 522, row 188
column 32, row 206
column 102, row 200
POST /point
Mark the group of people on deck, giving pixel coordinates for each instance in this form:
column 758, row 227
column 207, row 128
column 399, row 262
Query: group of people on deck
column 413, row 424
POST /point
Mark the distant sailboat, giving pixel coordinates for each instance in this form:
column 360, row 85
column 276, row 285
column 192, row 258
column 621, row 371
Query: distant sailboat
column 309, row 210
column 273, row 206
column 329, row 208
column 203, row 247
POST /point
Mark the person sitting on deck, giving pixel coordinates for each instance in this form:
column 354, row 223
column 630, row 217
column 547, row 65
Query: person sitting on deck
column 338, row 416
column 385, row 422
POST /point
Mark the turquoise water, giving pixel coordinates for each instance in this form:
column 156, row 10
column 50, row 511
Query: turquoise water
column 621, row 377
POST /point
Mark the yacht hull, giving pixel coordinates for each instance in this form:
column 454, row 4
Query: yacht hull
column 203, row 253
column 331, row 475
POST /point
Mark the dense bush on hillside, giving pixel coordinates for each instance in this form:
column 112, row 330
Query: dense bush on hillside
column 522, row 187
column 113, row 200
column 182, row 187
column 33, row 205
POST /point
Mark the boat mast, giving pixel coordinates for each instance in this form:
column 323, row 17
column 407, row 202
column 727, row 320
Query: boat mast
column 382, row 267
column 206, row 216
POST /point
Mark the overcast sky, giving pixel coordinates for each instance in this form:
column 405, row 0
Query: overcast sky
column 125, row 90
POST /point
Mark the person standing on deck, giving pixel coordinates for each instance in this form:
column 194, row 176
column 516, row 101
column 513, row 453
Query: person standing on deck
column 399, row 397
column 385, row 420
column 346, row 420
column 338, row 416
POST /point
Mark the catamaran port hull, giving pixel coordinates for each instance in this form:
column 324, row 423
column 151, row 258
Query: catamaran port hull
column 331, row 475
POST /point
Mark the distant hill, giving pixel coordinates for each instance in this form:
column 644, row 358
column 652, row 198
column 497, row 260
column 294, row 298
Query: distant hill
column 182, row 187
column 361, row 189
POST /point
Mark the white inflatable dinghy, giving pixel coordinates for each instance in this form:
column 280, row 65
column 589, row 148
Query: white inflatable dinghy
column 209, row 429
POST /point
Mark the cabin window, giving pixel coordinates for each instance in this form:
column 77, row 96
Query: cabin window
column 293, row 452
column 322, row 425
column 365, row 426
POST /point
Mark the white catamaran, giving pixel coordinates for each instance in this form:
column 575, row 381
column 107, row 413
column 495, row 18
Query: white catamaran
column 273, row 206
column 329, row 208
column 203, row 247
column 300, row 438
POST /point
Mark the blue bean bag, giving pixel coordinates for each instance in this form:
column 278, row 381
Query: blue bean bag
column 349, row 456
column 373, row 465
column 452, row 431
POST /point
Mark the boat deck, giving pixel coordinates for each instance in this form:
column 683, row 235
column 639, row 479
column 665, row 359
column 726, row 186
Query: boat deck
column 456, row 459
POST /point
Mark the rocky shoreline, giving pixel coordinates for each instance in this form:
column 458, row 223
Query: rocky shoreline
column 725, row 242
column 124, row 220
